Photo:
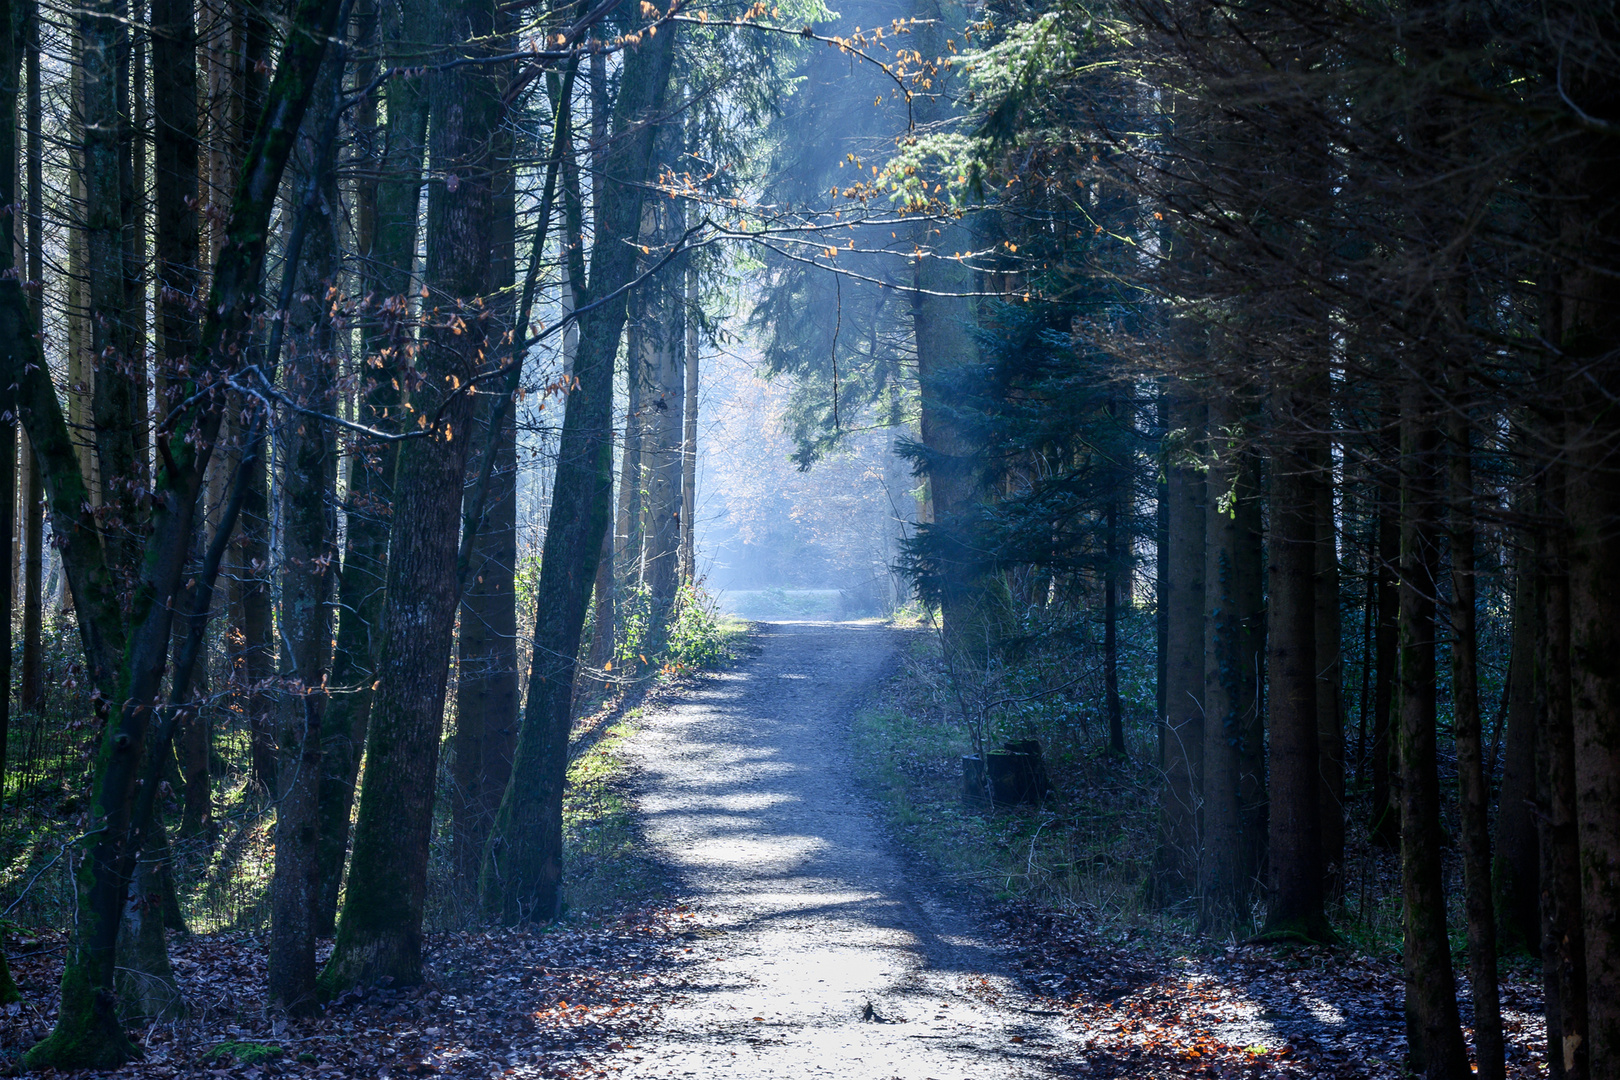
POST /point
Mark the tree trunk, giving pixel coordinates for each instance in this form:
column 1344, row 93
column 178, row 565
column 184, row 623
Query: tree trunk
column 1473, row 780
column 308, row 460
column 104, row 40
column 664, row 338
column 32, row 688
column 1181, row 592
column 368, row 506
column 380, row 930
column 1295, row 906
column 487, row 689
column 942, row 326
column 1516, row 864
column 1231, row 668
column 1563, row 943
column 1384, row 819
column 1329, row 678
column 1590, row 307
column 688, row 563
column 1112, row 566
column 1433, row 1031
column 147, row 988
column 175, row 162
column 523, row 868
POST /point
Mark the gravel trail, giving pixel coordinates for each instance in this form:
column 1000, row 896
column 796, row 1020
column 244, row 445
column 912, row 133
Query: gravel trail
column 820, row 954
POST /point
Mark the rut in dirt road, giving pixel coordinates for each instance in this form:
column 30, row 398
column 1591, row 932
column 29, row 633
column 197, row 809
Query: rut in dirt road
column 820, row 954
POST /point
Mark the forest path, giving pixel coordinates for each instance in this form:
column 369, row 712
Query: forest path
column 807, row 914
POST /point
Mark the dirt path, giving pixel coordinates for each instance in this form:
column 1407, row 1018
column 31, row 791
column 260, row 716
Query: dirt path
column 820, row 956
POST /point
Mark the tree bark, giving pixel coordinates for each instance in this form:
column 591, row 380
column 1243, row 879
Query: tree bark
column 1433, row 1031
column 487, row 689
column 523, row 868
column 1113, row 558
column 1182, row 594
column 1231, row 670
column 1563, row 942
column 1516, row 863
column 1295, row 907
column 368, row 508
column 689, row 398
column 1473, row 779
column 1590, row 306
column 32, row 688
column 1329, row 676
column 1384, row 819
column 380, row 930
column 308, row 555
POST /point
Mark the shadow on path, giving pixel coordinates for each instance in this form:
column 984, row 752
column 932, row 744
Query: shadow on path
column 818, row 955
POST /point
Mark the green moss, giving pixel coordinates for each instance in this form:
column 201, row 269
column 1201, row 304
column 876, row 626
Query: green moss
column 245, row 1053
column 88, row 1033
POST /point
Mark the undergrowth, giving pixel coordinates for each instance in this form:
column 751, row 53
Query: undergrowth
column 1083, row 849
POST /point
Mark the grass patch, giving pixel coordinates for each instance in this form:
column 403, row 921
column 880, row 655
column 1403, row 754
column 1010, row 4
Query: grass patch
column 608, row 867
column 1084, row 850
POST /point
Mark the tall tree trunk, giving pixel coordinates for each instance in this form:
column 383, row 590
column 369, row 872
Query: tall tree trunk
column 630, row 532
column 689, row 398
column 1589, row 178
column 942, row 327
column 368, row 506
column 1563, row 943
column 1433, row 1031
column 1295, row 907
column 1384, row 819
column 1473, row 781
column 255, row 660
column 523, row 868
column 1516, row 863
column 175, row 162
column 1231, row 668
column 487, row 687
column 9, row 60
column 104, row 41
column 487, row 693
column 1112, row 567
column 32, row 688
column 380, row 929
column 1181, row 592
column 308, row 461
column 1329, row 677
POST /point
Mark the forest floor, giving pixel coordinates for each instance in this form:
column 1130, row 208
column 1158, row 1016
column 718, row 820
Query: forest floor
column 771, row 925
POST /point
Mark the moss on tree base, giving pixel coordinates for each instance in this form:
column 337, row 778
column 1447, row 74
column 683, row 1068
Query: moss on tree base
column 88, row 1032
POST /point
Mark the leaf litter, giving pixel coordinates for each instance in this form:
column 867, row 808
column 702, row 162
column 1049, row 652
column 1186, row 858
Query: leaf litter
column 565, row 1002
